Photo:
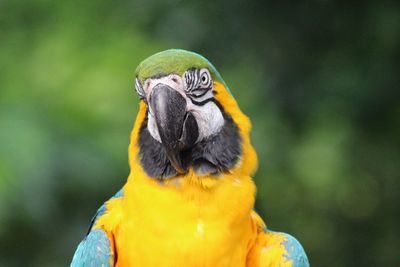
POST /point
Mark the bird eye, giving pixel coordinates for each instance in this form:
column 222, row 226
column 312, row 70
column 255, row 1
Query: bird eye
column 198, row 81
column 205, row 78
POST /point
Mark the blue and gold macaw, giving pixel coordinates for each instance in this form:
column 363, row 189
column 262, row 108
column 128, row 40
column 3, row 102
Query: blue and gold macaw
column 189, row 197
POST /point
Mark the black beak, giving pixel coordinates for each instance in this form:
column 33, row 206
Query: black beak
column 177, row 128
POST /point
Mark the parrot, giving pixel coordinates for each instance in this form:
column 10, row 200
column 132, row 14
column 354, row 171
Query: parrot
column 189, row 197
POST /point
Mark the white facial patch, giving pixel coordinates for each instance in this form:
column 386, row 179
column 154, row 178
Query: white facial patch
column 174, row 81
column 208, row 117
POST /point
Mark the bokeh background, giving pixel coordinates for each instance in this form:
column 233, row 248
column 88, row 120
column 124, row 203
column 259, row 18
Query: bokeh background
column 319, row 79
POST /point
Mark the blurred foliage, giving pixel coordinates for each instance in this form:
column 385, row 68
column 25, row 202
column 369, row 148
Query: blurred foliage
column 319, row 80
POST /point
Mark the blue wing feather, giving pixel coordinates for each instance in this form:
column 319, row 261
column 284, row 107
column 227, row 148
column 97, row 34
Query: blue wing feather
column 95, row 248
column 295, row 251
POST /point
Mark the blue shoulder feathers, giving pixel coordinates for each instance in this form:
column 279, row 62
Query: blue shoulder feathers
column 95, row 249
column 295, row 252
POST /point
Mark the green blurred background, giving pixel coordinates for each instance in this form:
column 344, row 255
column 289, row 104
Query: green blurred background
column 319, row 79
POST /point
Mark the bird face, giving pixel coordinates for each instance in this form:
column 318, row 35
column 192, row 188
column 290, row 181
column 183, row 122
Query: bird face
column 185, row 126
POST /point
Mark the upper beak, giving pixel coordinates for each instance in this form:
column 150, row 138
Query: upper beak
column 177, row 128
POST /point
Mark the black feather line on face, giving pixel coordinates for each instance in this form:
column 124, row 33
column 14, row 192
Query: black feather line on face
column 201, row 103
column 139, row 89
column 216, row 154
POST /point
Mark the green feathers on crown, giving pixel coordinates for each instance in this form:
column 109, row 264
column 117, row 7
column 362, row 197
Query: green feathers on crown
column 175, row 61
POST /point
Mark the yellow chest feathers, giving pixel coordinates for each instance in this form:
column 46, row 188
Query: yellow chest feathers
column 184, row 222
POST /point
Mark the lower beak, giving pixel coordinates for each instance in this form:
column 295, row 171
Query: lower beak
column 177, row 128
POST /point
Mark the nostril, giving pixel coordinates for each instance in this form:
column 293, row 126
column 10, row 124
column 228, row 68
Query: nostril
column 174, row 79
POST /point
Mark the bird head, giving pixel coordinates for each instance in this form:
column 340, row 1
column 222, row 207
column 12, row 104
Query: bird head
column 188, row 120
